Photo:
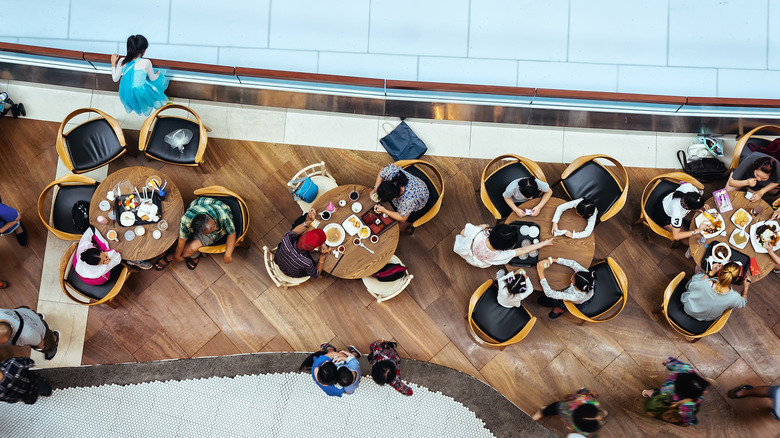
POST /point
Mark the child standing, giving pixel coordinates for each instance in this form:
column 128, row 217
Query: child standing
column 141, row 90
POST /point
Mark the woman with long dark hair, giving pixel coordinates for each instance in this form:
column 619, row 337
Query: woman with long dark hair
column 406, row 192
column 585, row 208
column 580, row 290
column 677, row 205
column 484, row 246
column 141, row 90
column 93, row 259
column 756, row 173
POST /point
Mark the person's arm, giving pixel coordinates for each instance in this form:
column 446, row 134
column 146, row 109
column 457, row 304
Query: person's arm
column 300, row 228
column 99, row 240
column 230, row 245
column 563, row 207
column 588, row 228
column 393, row 214
column 180, row 243
column 400, row 386
column 149, row 70
column 535, row 246
column 760, row 194
column 545, row 197
column 571, row 264
column 679, row 234
column 379, row 179
column 511, row 203
column 324, row 251
column 116, row 69
column 676, row 366
column 736, row 184
column 688, row 413
column 773, row 256
column 10, row 224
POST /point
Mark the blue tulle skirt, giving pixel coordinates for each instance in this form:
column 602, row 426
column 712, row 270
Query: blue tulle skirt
column 140, row 95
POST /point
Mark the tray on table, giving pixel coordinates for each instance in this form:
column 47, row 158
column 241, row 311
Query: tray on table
column 371, row 218
column 119, row 209
column 525, row 261
column 736, row 256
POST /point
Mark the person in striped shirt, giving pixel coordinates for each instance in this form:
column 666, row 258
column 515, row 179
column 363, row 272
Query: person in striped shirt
column 293, row 253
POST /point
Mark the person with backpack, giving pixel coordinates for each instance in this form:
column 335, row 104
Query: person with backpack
column 680, row 396
column 581, row 412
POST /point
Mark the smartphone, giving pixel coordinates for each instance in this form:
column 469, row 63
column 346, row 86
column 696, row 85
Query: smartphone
column 529, row 211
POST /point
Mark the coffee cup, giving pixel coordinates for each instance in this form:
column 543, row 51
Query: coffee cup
column 356, row 241
column 354, row 195
column 341, row 249
column 139, row 230
column 374, row 238
column 325, row 215
column 375, row 197
column 111, row 235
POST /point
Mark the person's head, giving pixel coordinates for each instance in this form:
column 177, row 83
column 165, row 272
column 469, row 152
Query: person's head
column 94, row 256
column 327, row 374
column 584, row 280
column 311, row 240
column 391, row 189
column 729, row 273
column 136, row 47
column 309, row 361
column 764, row 168
column 690, row 385
column 502, row 237
column 202, row 224
column 345, row 377
column 383, row 372
column 5, row 332
column 517, row 285
column 587, row 418
column 528, row 187
column 586, row 208
column 689, row 200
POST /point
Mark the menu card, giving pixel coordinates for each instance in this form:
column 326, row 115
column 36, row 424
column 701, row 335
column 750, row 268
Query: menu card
column 722, row 200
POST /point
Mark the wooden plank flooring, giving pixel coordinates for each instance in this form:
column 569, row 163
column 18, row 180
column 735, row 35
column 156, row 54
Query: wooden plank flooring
column 227, row 309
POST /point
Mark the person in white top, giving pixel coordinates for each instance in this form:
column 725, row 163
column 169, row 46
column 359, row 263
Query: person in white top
column 579, row 291
column 483, row 247
column 525, row 189
column 585, row 208
column 677, row 205
column 513, row 287
column 93, row 259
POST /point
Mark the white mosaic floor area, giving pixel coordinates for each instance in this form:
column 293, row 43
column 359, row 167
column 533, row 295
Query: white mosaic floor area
column 270, row 405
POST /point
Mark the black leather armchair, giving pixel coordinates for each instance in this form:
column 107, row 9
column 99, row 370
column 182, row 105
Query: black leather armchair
column 496, row 325
column 91, row 144
column 586, row 177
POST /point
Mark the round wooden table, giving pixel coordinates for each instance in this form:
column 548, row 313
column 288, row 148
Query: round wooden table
column 579, row 250
column 357, row 262
column 738, row 200
column 142, row 247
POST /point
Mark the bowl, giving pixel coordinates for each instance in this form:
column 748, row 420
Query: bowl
column 334, row 234
column 364, row 232
column 139, row 230
column 156, row 234
column 357, row 207
column 127, row 219
column 104, row 205
column 721, row 252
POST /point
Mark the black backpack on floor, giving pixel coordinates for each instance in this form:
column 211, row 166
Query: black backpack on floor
column 706, row 170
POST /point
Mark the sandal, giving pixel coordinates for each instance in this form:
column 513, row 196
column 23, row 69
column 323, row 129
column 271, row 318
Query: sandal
column 162, row 263
column 646, row 392
column 733, row 392
column 192, row 263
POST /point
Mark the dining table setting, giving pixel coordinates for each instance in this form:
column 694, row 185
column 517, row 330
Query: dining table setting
column 362, row 240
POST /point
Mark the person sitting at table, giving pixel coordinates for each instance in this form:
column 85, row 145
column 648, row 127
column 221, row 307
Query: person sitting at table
column 206, row 221
column 483, row 246
column 706, row 298
column 525, row 189
column 293, row 255
column 513, row 287
column 584, row 207
column 757, row 172
column 579, row 291
column 93, row 259
column 404, row 191
column 677, row 205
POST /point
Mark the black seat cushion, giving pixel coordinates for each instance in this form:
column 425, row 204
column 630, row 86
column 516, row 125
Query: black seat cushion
column 498, row 322
column 677, row 313
column 92, row 144
column 62, row 210
column 158, row 148
column 238, row 217
column 497, row 182
column 593, row 181
column 654, row 208
column 606, row 293
column 96, row 292
column 433, row 194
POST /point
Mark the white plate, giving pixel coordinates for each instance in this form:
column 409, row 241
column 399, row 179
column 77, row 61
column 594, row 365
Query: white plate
column 352, row 224
column 364, row 232
column 700, row 218
column 156, row 234
column 127, row 218
column 129, row 235
column 357, row 207
column 750, row 218
column 533, row 232
column 753, row 241
column 336, row 242
column 524, row 230
column 734, row 244
column 104, row 205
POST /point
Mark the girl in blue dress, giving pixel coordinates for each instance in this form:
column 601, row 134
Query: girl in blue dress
column 141, row 90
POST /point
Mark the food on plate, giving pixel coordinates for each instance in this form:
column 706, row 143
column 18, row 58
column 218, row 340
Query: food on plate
column 721, row 252
column 741, row 218
column 709, row 228
column 364, row 232
column 333, row 234
column 711, row 224
column 354, row 221
column 767, row 234
column 739, row 237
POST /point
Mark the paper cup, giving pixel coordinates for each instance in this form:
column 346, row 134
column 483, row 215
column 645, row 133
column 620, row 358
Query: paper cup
column 140, row 231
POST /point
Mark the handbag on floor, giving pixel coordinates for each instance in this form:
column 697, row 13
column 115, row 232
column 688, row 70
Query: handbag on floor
column 660, row 406
column 403, row 144
column 706, row 170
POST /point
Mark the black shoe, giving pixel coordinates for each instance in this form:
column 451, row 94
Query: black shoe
column 50, row 355
column 554, row 315
column 548, row 302
column 22, row 238
column 354, row 351
column 44, row 388
column 325, row 346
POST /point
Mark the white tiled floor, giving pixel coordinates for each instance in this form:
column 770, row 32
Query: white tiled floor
column 682, row 47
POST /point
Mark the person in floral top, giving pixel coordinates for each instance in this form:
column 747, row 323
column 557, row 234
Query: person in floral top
column 386, row 366
column 405, row 191
column 581, row 412
column 683, row 383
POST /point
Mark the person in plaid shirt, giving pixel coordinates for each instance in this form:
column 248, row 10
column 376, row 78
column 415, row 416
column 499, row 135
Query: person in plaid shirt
column 205, row 222
column 386, row 366
column 683, row 383
column 580, row 411
column 19, row 383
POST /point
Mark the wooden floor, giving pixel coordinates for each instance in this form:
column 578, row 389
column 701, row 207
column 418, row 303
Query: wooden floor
column 223, row 309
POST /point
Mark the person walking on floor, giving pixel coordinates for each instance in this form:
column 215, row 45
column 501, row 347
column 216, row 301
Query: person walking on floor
column 18, row 383
column 680, row 396
column 386, row 366
column 581, row 412
column 763, row 391
column 22, row 326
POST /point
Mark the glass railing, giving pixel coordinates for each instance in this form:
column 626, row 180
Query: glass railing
column 391, row 90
